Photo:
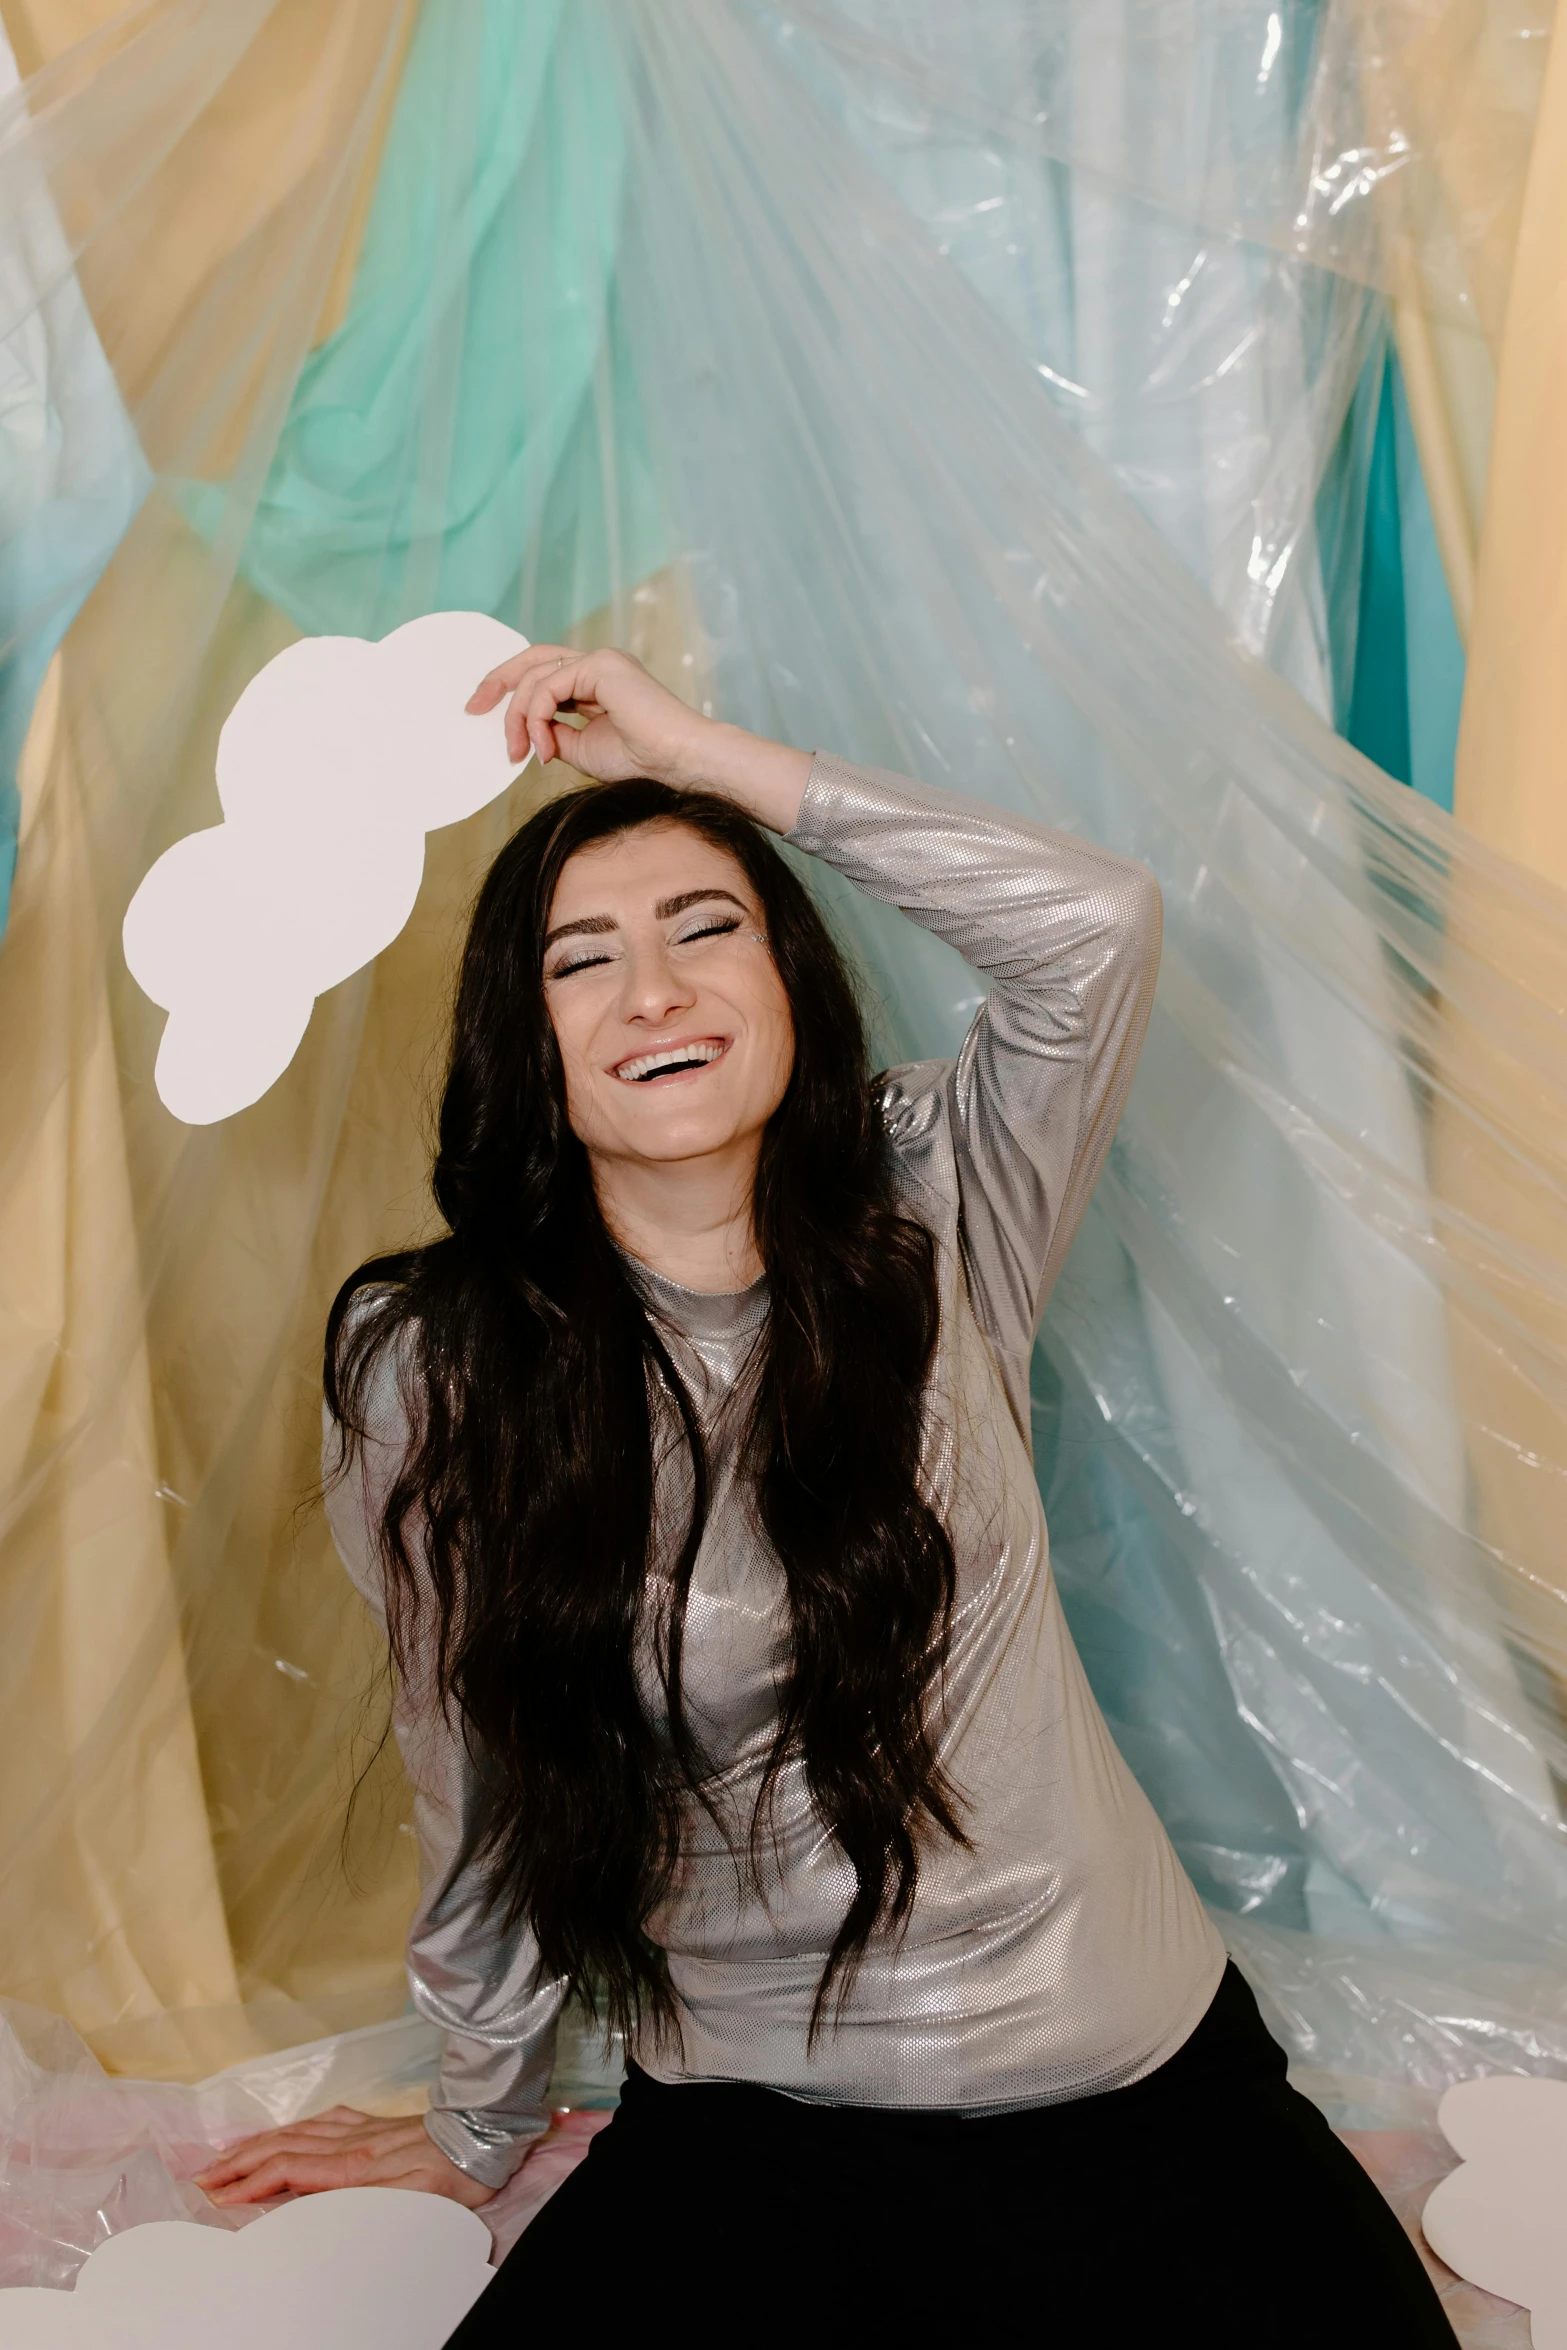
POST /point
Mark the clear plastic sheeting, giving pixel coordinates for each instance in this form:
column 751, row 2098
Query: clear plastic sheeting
column 1384, row 140
column 1299, row 1402
column 1210, row 372
column 84, row 2156
column 1214, row 185
column 1377, row 2035
column 1253, row 1345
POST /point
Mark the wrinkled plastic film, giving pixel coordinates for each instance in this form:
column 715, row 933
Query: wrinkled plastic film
column 84, row 2156
column 1384, row 140
column 1298, row 1416
column 1382, row 146
column 1210, row 370
column 1266, row 1248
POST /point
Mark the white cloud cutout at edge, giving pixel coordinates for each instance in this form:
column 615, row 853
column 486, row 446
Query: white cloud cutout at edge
column 1498, row 2219
column 337, row 759
column 364, row 2268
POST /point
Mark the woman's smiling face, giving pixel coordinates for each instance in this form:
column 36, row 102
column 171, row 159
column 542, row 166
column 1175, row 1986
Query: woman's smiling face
column 674, row 1029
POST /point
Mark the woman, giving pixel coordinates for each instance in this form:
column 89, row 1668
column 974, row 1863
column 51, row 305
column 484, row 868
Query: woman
column 691, row 1474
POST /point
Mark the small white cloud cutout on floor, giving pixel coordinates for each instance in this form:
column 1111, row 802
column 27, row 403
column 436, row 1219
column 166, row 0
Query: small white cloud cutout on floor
column 337, row 759
column 1500, row 2219
column 365, row 2268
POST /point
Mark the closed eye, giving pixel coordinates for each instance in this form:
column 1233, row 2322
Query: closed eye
column 717, row 926
column 594, row 958
column 584, row 962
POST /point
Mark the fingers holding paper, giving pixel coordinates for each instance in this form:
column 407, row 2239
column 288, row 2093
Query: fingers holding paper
column 632, row 724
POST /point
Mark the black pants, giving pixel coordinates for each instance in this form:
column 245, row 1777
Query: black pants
column 1208, row 2204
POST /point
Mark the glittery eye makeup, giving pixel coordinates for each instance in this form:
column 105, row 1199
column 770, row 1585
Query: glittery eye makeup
column 592, row 957
column 721, row 926
column 579, row 962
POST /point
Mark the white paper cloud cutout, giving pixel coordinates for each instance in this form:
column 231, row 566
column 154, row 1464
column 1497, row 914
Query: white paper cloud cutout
column 1500, row 2219
column 363, row 2268
column 334, row 763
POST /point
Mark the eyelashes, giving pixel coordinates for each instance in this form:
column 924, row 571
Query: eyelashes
column 712, row 926
column 716, row 926
column 565, row 968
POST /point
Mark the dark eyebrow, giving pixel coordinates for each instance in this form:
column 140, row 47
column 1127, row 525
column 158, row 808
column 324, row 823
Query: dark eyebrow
column 594, row 925
column 591, row 923
column 693, row 897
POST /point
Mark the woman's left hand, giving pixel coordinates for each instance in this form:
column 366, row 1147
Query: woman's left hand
column 340, row 2148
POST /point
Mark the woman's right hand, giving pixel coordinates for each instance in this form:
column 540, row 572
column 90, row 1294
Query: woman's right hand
column 340, row 2148
column 635, row 726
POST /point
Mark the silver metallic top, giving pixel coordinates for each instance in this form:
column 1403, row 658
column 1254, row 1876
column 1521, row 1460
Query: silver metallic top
column 1065, row 1952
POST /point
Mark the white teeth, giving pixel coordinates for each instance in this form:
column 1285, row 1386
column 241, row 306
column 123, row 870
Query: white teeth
column 678, row 1056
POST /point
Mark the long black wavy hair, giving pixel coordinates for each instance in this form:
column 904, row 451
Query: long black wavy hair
column 516, row 1536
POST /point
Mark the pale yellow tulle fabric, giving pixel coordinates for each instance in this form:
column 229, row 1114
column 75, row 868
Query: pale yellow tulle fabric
column 199, row 1689
column 209, row 1688
column 171, row 1890
column 1511, row 790
column 1510, row 784
column 113, row 1907
column 1450, row 90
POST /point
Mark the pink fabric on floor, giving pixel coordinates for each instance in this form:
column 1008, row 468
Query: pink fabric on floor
column 552, row 2160
column 84, row 2155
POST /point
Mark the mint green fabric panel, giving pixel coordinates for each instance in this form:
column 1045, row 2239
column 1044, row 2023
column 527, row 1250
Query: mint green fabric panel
column 450, row 446
column 1433, row 652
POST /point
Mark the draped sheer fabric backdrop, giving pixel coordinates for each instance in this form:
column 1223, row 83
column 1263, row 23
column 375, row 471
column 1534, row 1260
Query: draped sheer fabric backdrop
column 952, row 389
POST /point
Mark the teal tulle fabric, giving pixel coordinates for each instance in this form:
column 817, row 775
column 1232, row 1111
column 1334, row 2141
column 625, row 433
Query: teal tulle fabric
column 469, row 438
column 1397, row 664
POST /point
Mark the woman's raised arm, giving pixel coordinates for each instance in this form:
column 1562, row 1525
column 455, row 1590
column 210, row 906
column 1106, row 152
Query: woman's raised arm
column 1068, row 936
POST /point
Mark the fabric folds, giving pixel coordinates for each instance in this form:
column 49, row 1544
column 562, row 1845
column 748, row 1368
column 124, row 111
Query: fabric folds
column 965, row 404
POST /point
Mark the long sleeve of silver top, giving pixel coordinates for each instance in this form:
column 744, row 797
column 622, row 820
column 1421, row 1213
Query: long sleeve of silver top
column 481, row 1986
column 1063, row 1950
